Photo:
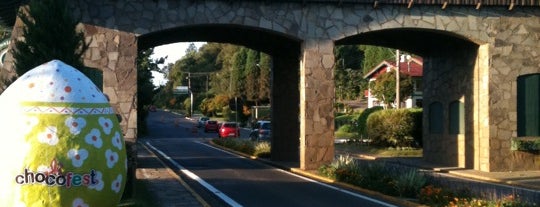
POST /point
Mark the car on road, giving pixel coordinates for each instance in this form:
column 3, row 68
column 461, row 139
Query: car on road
column 229, row 129
column 262, row 130
column 202, row 121
column 211, row 126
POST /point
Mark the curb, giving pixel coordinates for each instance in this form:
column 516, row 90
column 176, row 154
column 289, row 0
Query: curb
column 298, row 171
column 495, row 180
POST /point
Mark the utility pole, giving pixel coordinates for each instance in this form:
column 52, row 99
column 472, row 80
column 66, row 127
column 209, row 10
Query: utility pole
column 397, row 79
column 191, row 95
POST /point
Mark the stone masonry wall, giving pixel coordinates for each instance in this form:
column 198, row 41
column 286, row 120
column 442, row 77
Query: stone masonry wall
column 508, row 46
column 511, row 38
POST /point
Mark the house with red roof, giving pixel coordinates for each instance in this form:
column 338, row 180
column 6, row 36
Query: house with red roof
column 412, row 67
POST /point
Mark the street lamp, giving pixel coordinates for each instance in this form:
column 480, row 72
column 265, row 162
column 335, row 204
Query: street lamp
column 397, row 79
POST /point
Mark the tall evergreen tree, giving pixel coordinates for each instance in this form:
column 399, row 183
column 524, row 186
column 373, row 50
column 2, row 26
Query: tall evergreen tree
column 252, row 73
column 373, row 55
column 348, row 72
column 238, row 78
column 145, row 87
column 50, row 32
column 265, row 65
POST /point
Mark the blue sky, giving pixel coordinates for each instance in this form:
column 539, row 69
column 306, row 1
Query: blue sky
column 174, row 52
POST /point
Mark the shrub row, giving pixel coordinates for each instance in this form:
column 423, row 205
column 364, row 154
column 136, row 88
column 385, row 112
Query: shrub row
column 407, row 183
column 362, row 120
column 395, row 127
column 375, row 176
column 258, row 149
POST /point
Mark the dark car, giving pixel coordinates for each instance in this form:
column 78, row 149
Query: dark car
column 229, row 129
column 262, row 130
column 211, row 126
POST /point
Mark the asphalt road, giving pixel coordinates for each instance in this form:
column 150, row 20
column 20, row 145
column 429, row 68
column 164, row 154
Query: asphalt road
column 226, row 179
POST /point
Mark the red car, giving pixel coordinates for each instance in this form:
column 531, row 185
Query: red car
column 229, row 129
column 211, row 126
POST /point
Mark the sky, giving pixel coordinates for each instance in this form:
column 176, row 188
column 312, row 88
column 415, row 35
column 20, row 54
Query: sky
column 174, row 52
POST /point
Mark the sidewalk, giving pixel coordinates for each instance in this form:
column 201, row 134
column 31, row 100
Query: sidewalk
column 166, row 186
column 172, row 191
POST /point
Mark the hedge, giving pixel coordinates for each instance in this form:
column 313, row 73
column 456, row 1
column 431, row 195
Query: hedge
column 395, row 127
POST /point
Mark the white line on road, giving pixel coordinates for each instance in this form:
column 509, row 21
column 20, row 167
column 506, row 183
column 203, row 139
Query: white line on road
column 191, row 175
column 316, row 182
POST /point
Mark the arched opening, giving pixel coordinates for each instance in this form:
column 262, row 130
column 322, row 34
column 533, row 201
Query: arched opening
column 284, row 51
column 450, row 72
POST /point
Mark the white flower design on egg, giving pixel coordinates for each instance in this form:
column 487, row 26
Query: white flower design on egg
column 48, row 136
column 117, row 184
column 100, row 183
column 94, row 138
column 106, row 124
column 77, row 156
column 116, row 141
column 75, row 125
column 79, row 202
column 112, row 158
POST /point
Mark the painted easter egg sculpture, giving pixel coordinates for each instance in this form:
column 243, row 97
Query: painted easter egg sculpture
column 61, row 143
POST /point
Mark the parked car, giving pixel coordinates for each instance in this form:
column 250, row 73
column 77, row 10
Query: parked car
column 229, row 129
column 211, row 125
column 202, row 121
column 262, row 130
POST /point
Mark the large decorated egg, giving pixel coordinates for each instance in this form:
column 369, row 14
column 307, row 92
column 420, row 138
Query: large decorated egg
column 61, row 143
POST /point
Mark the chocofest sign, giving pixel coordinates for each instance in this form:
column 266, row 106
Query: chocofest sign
column 61, row 141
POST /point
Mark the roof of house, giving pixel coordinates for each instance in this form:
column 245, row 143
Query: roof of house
column 414, row 68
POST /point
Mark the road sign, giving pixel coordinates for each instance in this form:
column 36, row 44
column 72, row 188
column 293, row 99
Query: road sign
column 179, row 90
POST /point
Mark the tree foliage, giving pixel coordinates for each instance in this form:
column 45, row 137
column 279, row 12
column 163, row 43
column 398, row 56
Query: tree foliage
column 384, row 88
column 50, row 32
column 348, row 74
column 5, row 79
column 145, row 87
column 219, row 72
column 374, row 55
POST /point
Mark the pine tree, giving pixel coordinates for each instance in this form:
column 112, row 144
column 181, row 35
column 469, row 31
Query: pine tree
column 49, row 33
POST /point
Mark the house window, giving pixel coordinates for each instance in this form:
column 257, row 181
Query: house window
column 528, row 105
column 456, row 113
column 436, row 118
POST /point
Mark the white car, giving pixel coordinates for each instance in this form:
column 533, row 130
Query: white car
column 202, row 121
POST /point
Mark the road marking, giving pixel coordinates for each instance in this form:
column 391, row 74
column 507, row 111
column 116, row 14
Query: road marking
column 314, row 181
column 194, row 177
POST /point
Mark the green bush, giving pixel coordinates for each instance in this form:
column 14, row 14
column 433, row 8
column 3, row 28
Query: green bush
column 392, row 127
column 346, row 132
column 408, row 184
column 262, row 149
column 258, row 149
column 348, row 119
column 362, row 120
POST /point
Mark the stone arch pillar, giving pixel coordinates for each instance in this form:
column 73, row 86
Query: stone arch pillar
column 114, row 53
column 316, row 103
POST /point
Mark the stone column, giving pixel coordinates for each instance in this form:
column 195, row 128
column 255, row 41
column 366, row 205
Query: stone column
column 114, row 52
column 316, row 103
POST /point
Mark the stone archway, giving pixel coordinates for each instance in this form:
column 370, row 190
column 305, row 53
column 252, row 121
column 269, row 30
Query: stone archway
column 452, row 65
column 505, row 45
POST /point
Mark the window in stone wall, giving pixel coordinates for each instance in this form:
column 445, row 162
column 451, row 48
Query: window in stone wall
column 528, row 105
column 436, row 118
column 456, row 118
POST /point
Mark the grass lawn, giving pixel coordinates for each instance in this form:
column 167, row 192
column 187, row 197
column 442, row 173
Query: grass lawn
column 346, row 148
